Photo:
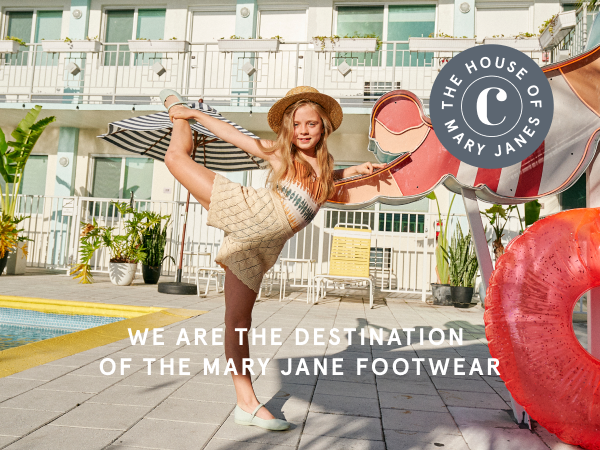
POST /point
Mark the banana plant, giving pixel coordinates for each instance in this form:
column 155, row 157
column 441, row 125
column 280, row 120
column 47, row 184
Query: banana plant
column 14, row 156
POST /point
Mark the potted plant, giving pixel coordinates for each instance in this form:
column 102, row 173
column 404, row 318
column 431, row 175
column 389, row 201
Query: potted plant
column 9, row 239
column 498, row 217
column 239, row 44
column 11, row 44
column 363, row 43
column 125, row 249
column 441, row 290
column 463, row 265
column 173, row 45
column 154, row 240
column 68, row 45
column 553, row 30
column 440, row 42
column 13, row 158
column 525, row 42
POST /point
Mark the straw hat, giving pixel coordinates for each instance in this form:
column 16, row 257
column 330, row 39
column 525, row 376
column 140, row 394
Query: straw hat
column 331, row 107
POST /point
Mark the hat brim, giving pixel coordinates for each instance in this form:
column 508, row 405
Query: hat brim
column 329, row 104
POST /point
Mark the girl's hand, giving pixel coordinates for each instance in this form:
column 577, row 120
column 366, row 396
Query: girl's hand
column 368, row 168
column 181, row 112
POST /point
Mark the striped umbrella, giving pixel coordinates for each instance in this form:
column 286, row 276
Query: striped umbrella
column 150, row 136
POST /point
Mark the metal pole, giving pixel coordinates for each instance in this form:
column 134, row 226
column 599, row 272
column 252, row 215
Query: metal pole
column 187, row 207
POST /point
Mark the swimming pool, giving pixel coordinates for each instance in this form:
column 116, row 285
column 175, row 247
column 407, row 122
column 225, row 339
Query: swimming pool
column 21, row 326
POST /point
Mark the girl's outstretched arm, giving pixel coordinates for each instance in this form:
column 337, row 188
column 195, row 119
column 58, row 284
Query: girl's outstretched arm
column 366, row 168
column 224, row 131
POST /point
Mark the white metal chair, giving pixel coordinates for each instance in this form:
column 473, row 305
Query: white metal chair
column 349, row 259
column 285, row 262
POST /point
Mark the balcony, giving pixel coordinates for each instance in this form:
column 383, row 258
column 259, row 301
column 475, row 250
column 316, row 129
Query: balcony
column 118, row 76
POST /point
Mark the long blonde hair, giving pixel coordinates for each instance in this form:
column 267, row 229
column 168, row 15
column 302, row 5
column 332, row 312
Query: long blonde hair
column 290, row 153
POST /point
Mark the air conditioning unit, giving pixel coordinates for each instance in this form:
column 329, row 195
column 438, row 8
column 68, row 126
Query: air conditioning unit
column 375, row 89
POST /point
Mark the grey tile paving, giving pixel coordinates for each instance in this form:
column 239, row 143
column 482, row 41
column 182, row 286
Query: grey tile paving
column 167, row 434
column 192, row 411
column 65, row 438
column 136, row 410
column 309, row 442
column 132, row 395
column 484, row 429
column 412, row 440
column 46, row 400
column 10, row 387
column 416, row 402
column 80, row 383
column 362, row 390
column 350, row 427
column 45, row 373
column 337, row 404
column 100, row 415
column 423, row 421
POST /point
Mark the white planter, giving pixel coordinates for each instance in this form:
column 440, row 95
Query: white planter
column 121, row 274
column 368, row 45
column 523, row 44
column 248, row 45
column 83, row 46
column 563, row 23
column 439, row 44
column 17, row 261
column 156, row 46
column 9, row 46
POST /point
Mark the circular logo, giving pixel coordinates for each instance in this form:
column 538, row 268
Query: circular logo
column 491, row 106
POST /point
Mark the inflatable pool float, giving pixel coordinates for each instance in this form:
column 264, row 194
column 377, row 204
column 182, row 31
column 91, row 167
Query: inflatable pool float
column 529, row 324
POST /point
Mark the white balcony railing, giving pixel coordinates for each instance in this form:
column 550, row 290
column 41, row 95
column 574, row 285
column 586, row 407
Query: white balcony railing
column 118, row 76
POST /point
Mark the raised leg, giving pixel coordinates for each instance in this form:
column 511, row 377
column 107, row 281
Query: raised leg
column 197, row 179
column 239, row 301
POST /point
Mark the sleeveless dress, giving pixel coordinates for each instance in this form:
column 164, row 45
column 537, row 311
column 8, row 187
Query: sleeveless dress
column 258, row 222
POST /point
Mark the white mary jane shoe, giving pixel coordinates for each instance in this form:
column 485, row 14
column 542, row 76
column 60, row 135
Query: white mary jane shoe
column 243, row 418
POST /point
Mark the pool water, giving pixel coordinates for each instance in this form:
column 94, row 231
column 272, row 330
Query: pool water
column 15, row 335
column 22, row 326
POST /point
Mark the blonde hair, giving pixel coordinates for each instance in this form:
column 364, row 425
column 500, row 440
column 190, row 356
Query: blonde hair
column 290, row 153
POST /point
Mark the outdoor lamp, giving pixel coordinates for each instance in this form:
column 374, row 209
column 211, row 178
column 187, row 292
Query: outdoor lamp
column 344, row 68
column 159, row 69
column 249, row 69
column 73, row 69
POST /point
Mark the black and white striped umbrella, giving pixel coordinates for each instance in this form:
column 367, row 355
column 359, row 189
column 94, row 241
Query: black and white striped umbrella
column 150, row 136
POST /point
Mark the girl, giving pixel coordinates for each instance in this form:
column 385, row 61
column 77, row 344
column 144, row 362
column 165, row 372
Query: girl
column 258, row 222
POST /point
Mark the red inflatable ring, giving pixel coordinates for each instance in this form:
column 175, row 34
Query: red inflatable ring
column 529, row 324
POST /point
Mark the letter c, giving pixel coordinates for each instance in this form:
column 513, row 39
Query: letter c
column 482, row 103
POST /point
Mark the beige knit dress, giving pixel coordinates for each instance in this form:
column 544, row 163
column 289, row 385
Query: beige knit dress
column 258, row 222
column 256, row 229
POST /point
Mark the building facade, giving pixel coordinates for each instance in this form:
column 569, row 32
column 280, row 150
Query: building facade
column 86, row 90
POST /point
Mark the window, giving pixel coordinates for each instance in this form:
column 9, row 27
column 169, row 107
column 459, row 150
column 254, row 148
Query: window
column 116, row 178
column 389, row 23
column 403, row 223
column 405, row 22
column 123, row 25
column 359, row 21
column 33, row 183
column 48, row 25
column 574, row 197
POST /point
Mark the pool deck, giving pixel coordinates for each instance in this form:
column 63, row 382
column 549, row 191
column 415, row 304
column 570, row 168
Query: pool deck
column 68, row 404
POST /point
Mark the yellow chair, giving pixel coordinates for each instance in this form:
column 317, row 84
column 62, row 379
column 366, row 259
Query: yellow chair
column 349, row 259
